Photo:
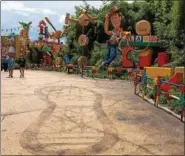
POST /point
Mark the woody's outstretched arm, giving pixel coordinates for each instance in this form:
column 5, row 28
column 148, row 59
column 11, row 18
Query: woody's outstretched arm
column 68, row 19
column 74, row 20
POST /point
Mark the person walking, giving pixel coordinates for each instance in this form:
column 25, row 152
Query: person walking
column 22, row 63
column 5, row 63
column 11, row 65
column 2, row 63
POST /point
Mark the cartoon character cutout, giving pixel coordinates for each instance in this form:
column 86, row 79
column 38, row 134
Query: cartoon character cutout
column 115, row 35
column 42, row 25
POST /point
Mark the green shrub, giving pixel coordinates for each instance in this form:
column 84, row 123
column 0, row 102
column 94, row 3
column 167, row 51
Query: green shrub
column 174, row 105
column 149, row 93
column 175, row 92
column 162, row 99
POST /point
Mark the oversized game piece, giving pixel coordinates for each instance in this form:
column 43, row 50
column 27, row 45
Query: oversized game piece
column 82, row 40
column 143, row 28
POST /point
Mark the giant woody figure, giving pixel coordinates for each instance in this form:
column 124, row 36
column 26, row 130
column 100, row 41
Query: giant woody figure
column 115, row 34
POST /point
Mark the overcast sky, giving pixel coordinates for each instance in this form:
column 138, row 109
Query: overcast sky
column 14, row 11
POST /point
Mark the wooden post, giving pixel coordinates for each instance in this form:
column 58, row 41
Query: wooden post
column 158, row 91
column 135, row 82
column 93, row 71
column 182, row 114
column 82, row 73
column 143, row 94
column 17, row 46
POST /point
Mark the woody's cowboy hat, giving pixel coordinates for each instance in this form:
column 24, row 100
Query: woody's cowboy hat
column 113, row 10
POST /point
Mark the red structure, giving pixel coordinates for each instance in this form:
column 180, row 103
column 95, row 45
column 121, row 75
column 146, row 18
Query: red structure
column 145, row 61
column 47, row 60
column 163, row 58
column 176, row 78
column 126, row 62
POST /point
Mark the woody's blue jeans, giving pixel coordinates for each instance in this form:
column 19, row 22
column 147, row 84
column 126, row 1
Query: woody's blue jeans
column 111, row 48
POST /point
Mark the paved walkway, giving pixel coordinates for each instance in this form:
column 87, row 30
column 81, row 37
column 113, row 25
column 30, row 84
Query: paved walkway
column 54, row 113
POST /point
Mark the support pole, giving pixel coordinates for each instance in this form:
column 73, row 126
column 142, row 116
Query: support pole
column 157, row 91
column 135, row 82
column 182, row 101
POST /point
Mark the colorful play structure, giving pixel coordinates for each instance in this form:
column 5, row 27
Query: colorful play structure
column 142, row 43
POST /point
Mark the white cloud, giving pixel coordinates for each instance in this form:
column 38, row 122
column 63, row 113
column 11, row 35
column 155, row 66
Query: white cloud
column 16, row 6
column 22, row 13
column 19, row 7
column 48, row 12
column 14, row 11
column 62, row 18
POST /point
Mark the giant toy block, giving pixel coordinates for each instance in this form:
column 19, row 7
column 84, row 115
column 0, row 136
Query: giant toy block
column 159, row 71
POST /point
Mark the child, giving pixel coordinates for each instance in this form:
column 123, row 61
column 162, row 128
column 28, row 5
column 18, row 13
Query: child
column 11, row 64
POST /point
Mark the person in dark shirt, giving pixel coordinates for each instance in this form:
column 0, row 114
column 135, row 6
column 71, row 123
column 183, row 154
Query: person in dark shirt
column 5, row 62
column 2, row 63
column 22, row 63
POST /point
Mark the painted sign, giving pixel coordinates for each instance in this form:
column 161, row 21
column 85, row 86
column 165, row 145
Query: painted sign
column 138, row 39
column 153, row 38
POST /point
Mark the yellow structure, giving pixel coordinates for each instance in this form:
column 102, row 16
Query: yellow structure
column 180, row 70
column 159, row 71
column 18, row 45
column 146, row 39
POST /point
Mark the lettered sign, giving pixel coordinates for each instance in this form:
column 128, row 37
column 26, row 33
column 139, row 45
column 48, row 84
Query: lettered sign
column 138, row 39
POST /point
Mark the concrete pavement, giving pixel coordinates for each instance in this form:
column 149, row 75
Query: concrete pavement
column 51, row 113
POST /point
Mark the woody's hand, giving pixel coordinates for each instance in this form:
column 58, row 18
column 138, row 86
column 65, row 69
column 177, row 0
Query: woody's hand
column 128, row 33
column 107, row 17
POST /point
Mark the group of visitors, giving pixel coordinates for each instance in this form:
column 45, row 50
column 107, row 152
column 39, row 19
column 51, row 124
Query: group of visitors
column 8, row 64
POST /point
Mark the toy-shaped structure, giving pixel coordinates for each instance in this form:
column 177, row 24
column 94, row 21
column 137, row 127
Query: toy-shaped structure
column 24, row 37
column 115, row 19
column 42, row 26
column 83, row 41
column 57, row 33
column 143, row 40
